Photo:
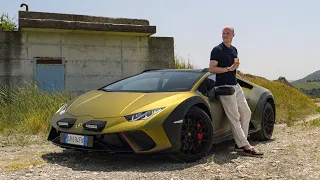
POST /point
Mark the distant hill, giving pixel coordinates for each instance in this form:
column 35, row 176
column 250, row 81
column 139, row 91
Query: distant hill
column 306, row 85
column 310, row 77
column 309, row 85
column 309, row 82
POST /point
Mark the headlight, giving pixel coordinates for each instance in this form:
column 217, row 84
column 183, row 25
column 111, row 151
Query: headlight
column 63, row 109
column 143, row 115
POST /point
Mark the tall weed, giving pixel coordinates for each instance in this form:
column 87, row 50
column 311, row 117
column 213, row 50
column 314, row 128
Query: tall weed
column 27, row 110
column 182, row 64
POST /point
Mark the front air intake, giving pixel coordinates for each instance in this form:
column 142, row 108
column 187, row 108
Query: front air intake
column 140, row 140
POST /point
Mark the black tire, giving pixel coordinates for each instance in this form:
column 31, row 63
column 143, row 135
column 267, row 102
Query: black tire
column 267, row 124
column 196, row 136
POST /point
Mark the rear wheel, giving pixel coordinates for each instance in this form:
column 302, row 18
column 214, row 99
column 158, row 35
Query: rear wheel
column 267, row 124
column 196, row 136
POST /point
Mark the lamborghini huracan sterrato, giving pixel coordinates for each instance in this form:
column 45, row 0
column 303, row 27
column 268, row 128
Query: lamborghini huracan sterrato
column 171, row 111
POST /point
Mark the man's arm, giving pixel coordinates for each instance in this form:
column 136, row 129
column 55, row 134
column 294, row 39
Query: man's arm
column 215, row 69
column 214, row 60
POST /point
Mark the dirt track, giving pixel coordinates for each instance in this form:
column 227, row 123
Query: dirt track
column 293, row 153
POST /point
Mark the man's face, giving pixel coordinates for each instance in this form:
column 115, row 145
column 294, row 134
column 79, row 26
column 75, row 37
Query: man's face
column 227, row 35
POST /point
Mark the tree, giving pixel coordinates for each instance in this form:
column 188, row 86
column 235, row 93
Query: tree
column 7, row 23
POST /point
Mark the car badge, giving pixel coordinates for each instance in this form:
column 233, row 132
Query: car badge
column 78, row 125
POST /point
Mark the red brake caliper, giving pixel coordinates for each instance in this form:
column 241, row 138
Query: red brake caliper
column 199, row 135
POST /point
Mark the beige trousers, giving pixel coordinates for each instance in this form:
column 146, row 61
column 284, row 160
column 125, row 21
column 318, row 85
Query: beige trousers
column 239, row 115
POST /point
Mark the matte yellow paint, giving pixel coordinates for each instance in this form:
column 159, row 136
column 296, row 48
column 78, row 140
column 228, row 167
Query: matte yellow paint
column 92, row 105
column 112, row 107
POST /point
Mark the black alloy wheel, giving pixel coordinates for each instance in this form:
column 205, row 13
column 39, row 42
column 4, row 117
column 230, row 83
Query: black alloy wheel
column 267, row 124
column 268, row 120
column 196, row 135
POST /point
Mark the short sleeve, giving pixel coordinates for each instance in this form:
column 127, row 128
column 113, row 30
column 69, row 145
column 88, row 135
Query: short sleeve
column 236, row 51
column 215, row 54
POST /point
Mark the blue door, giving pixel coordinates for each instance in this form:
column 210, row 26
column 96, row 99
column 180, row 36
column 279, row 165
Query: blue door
column 50, row 76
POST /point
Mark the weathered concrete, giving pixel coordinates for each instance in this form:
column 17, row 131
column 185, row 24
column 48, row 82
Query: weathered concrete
column 161, row 51
column 82, row 18
column 81, row 22
column 39, row 23
column 92, row 58
column 10, row 55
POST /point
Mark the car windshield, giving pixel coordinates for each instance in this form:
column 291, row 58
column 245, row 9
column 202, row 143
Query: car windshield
column 156, row 81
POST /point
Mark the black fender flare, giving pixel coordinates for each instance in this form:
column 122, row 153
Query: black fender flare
column 257, row 114
column 173, row 123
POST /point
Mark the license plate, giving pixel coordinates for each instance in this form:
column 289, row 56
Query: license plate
column 76, row 139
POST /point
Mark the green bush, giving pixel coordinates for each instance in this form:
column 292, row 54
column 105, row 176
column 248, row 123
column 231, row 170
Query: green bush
column 7, row 23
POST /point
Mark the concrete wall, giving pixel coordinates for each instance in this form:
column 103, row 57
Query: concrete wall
column 92, row 59
column 14, row 64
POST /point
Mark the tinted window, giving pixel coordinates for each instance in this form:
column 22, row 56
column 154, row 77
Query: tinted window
column 156, row 82
column 207, row 84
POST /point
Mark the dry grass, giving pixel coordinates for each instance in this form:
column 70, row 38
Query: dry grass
column 180, row 63
column 27, row 110
column 309, row 124
column 313, row 123
column 316, row 100
column 291, row 104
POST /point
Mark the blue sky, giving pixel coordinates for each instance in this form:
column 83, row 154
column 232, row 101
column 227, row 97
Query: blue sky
column 274, row 38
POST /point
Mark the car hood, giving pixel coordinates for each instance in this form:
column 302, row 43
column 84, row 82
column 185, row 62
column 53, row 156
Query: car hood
column 101, row 104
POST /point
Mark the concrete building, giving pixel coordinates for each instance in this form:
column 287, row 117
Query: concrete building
column 78, row 52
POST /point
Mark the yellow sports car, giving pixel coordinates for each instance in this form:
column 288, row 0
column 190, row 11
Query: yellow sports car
column 171, row 111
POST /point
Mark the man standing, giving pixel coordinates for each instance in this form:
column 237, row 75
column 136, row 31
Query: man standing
column 224, row 63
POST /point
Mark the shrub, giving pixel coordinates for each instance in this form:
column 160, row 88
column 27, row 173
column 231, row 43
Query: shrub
column 7, row 23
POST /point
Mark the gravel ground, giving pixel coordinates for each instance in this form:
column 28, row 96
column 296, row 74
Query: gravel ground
column 293, row 153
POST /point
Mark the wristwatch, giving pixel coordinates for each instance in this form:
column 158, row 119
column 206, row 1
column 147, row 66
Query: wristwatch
column 228, row 68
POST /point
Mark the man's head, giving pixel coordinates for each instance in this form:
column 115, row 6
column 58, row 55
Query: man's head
column 227, row 34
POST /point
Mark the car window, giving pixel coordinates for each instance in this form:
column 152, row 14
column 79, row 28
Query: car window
column 206, row 85
column 148, row 84
column 157, row 81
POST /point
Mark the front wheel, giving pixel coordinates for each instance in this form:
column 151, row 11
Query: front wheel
column 267, row 124
column 196, row 135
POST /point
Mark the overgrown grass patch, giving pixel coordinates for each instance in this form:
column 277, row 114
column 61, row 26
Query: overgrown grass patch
column 180, row 63
column 27, row 110
column 291, row 104
column 312, row 123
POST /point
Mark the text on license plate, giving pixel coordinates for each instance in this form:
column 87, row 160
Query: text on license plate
column 76, row 139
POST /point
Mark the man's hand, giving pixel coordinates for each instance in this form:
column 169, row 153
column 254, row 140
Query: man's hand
column 234, row 66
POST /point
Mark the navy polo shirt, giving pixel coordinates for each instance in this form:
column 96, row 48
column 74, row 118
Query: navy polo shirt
column 225, row 57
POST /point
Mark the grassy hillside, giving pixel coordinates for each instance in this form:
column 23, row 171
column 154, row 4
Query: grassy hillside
column 306, row 85
column 291, row 103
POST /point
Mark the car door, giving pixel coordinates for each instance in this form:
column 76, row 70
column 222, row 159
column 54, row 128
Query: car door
column 219, row 119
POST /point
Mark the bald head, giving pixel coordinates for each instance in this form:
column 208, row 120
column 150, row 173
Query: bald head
column 227, row 35
column 228, row 28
